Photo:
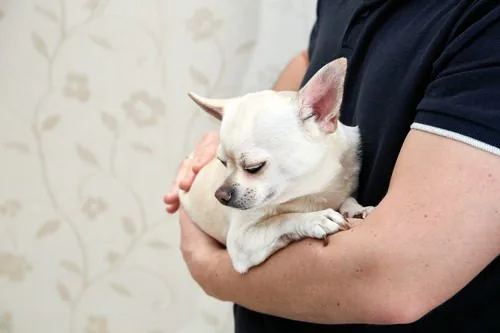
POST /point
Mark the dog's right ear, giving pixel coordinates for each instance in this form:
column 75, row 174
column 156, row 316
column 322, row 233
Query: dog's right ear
column 214, row 107
column 321, row 97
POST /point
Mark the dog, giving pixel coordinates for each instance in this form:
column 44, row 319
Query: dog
column 286, row 169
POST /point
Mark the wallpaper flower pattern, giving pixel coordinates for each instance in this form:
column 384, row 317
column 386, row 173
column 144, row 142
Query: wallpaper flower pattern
column 94, row 120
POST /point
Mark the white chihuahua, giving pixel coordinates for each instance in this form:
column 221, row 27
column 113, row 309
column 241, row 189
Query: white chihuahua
column 286, row 169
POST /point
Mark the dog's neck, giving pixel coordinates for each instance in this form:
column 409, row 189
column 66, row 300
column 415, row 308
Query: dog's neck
column 344, row 146
column 337, row 166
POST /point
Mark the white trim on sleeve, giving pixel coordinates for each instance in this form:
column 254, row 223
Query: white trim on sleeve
column 458, row 137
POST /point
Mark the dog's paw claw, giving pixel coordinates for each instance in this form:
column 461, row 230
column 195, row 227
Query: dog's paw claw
column 337, row 218
column 326, row 241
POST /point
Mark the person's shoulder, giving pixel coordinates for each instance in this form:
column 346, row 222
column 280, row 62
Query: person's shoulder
column 475, row 34
column 476, row 14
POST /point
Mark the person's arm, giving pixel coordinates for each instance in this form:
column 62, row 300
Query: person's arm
column 292, row 75
column 436, row 229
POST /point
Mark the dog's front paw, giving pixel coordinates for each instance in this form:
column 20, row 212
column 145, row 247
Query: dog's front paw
column 324, row 223
column 357, row 212
column 352, row 209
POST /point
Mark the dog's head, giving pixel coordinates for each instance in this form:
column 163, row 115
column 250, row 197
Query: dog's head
column 272, row 142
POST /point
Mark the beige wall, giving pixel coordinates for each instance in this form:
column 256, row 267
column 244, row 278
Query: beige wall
column 93, row 122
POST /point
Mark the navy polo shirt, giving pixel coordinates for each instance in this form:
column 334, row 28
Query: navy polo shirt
column 430, row 65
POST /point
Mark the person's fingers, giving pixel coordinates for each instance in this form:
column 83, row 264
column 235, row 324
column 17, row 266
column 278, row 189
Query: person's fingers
column 204, row 158
column 186, row 183
column 189, row 167
column 167, row 199
column 170, row 198
column 197, row 167
column 172, row 208
column 172, row 201
column 186, row 179
column 205, row 152
column 184, row 167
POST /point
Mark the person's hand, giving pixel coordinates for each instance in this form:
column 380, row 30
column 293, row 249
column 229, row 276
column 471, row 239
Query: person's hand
column 199, row 250
column 204, row 153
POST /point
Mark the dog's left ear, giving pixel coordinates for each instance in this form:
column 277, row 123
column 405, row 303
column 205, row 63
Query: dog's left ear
column 214, row 107
column 321, row 97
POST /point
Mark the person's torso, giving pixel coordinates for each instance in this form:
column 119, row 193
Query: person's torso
column 391, row 47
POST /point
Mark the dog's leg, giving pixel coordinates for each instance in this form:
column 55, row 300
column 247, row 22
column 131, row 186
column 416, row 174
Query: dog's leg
column 253, row 245
column 352, row 209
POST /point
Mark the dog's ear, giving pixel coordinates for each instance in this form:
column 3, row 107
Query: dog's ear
column 214, row 107
column 321, row 97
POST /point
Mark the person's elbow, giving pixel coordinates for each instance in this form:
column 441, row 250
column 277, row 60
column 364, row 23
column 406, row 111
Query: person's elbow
column 394, row 299
column 380, row 305
column 400, row 312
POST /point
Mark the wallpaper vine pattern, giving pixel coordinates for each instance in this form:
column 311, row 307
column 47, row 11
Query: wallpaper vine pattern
column 93, row 122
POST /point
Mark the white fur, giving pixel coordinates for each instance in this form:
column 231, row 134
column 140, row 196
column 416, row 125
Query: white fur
column 311, row 171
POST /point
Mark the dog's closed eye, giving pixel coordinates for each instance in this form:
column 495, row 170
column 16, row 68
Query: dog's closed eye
column 224, row 163
column 255, row 168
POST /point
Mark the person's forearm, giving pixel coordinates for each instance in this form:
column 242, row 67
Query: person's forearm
column 344, row 282
column 293, row 74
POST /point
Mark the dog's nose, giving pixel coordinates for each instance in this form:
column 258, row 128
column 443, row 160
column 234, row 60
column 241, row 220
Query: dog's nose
column 224, row 194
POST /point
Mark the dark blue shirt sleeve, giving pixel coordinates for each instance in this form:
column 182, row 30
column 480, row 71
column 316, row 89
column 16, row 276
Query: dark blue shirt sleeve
column 462, row 101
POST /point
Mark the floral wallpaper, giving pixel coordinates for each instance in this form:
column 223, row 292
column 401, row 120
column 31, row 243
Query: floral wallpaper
column 94, row 120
